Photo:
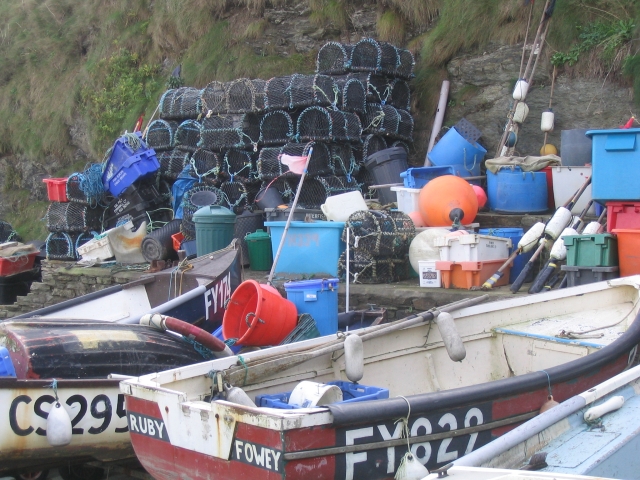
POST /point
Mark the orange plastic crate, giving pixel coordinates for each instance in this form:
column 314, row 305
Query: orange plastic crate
column 470, row 274
column 17, row 263
column 177, row 238
column 56, row 189
column 628, row 251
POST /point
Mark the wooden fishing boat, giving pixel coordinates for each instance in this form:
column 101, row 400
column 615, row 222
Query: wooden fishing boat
column 194, row 291
column 81, row 356
column 480, row 473
column 518, row 351
column 596, row 433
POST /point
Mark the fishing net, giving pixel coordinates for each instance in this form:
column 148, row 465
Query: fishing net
column 400, row 96
column 7, row 233
column 161, row 135
column 277, row 93
column 369, row 269
column 343, row 162
column 205, row 165
column 244, row 95
column 334, row 58
column 172, row 162
column 269, row 165
column 364, row 177
column 308, row 90
column 376, row 86
column 180, row 103
column 86, row 187
column 232, row 130
column 60, row 246
column 321, row 124
column 238, row 163
column 380, row 233
column 388, row 121
column 213, row 99
column 276, row 127
column 72, row 217
column 406, row 62
column 353, row 94
column 370, row 144
column 315, row 190
column 215, row 197
column 188, row 135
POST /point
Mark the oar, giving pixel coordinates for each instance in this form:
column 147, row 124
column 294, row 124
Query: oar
column 249, row 373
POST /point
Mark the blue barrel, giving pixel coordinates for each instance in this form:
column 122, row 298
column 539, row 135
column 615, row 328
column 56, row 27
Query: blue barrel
column 512, row 190
column 515, row 234
column 453, row 149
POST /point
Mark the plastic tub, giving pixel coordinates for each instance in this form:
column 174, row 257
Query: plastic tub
column 215, row 226
column 407, row 199
column 470, row 274
column 616, row 164
column 281, row 214
column 351, row 392
column 583, row 275
column 56, row 189
column 598, row 250
column 575, row 147
column 420, row 176
column 513, row 191
column 472, row 248
column 339, row 207
column 624, row 215
column 453, row 149
column 628, row 251
column 385, row 167
column 318, row 298
column 566, row 181
column 128, row 164
column 309, row 248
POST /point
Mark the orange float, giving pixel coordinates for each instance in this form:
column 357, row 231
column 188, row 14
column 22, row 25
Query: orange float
column 447, row 198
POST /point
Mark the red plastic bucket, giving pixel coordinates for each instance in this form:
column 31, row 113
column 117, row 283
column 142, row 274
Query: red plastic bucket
column 257, row 316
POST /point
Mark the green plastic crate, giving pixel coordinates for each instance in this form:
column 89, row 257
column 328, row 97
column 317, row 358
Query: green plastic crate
column 597, row 250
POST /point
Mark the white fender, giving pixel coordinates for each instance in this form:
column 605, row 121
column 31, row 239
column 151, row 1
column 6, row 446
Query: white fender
column 614, row 403
column 411, row 469
column 353, row 358
column 451, row 337
column 561, row 218
column 592, row 228
column 530, row 238
column 58, row 426
column 559, row 249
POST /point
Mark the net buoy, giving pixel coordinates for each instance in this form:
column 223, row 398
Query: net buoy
column 521, row 112
column 548, row 149
column 410, row 468
column 520, row 90
column 481, row 195
column 512, row 139
column 547, row 121
column 550, row 403
column 447, row 199
column 353, row 358
column 416, row 218
column 237, row 395
column 58, row 426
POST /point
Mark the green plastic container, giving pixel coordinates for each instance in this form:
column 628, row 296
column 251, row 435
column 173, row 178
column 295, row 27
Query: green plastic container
column 597, row 250
column 259, row 245
column 214, row 228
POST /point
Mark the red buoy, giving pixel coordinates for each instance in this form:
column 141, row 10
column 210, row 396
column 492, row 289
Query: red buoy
column 446, row 199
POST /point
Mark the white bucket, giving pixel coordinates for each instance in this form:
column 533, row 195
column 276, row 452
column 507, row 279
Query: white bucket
column 311, row 394
column 338, row 208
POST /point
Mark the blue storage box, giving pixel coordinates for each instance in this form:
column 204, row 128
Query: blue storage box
column 615, row 164
column 318, row 298
column 352, row 392
column 419, row 177
column 127, row 164
column 512, row 190
column 515, row 234
column 310, row 248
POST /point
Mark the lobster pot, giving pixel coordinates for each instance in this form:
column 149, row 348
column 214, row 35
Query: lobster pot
column 81, row 239
column 389, row 59
column 268, row 165
column 353, row 94
column 72, row 217
column 333, row 58
column 308, row 90
column 276, row 127
column 7, row 233
column 188, row 135
column 61, row 246
column 74, row 189
column 364, row 177
column 366, row 268
column 236, row 196
column 401, row 144
column 343, row 162
column 244, row 95
column 321, row 124
column 320, row 162
column 400, row 95
column 230, row 131
column 388, row 121
column 277, row 93
column 172, row 162
column 376, row 86
column 238, row 163
column 316, row 190
column 213, row 99
column 180, row 103
column 205, row 165
column 161, row 135
column 380, row 232
column 187, row 227
column 371, row 144
column 406, row 63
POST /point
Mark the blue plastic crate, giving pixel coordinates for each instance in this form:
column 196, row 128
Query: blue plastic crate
column 352, row 392
column 127, row 164
column 318, row 298
column 420, row 176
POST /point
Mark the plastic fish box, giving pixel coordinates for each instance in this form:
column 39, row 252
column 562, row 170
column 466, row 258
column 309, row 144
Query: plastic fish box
column 310, row 248
column 583, row 275
column 408, row 199
column 472, row 248
column 17, row 263
column 128, row 164
column 597, row 250
column 470, row 274
column 352, row 392
column 56, row 189
column 625, row 215
column 96, row 249
column 418, row 177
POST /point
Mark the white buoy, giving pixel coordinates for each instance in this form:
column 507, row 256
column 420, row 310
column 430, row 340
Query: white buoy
column 561, row 218
column 521, row 112
column 410, row 468
column 592, row 228
column 520, row 90
column 559, row 249
column 547, row 121
column 239, row 396
column 422, row 247
column 58, row 426
column 610, row 405
column 353, row 358
column 450, row 337
column 530, row 239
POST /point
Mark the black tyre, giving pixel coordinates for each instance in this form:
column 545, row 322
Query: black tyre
column 81, row 472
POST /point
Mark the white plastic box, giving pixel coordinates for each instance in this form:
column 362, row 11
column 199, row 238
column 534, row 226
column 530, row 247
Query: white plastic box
column 407, row 199
column 566, row 181
column 429, row 274
column 472, row 248
column 96, row 249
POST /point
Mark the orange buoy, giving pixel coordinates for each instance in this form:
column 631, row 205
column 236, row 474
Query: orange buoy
column 446, row 199
column 548, row 149
column 417, row 219
column 480, row 194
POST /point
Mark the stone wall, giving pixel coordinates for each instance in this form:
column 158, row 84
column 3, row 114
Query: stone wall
column 65, row 280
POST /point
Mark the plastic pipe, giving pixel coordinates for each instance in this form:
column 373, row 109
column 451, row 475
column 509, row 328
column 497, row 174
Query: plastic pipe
column 437, row 123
